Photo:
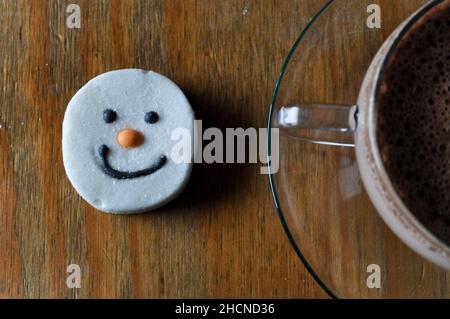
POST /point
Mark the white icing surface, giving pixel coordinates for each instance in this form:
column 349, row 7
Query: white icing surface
column 131, row 93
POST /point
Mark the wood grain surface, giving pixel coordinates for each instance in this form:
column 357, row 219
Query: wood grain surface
column 222, row 236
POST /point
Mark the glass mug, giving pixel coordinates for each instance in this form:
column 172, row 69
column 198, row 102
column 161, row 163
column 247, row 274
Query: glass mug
column 298, row 121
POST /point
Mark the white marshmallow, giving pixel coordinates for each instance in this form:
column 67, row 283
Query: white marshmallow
column 131, row 93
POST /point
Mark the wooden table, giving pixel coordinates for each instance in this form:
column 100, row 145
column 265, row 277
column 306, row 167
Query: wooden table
column 222, row 236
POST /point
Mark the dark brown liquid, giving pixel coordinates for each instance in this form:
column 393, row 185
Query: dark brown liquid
column 413, row 121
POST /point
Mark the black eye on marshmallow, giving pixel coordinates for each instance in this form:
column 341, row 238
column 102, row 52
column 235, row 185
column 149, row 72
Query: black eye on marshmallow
column 109, row 116
column 151, row 117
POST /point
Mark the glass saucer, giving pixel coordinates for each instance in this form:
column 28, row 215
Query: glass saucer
column 318, row 192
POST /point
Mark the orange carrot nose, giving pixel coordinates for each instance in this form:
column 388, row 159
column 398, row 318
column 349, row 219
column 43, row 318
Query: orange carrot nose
column 130, row 138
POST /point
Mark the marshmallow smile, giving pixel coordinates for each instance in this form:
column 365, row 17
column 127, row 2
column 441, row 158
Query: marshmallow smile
column 108, row 170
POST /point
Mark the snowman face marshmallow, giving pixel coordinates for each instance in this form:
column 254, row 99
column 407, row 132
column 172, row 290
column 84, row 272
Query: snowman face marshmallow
column 117, row 141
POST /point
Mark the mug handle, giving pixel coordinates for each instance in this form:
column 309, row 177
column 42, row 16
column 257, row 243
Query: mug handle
column 326, row 124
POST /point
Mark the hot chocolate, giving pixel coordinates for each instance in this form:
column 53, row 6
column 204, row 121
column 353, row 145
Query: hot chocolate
column 413, row 120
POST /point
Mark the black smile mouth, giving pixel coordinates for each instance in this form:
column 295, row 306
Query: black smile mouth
column 108, row 170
